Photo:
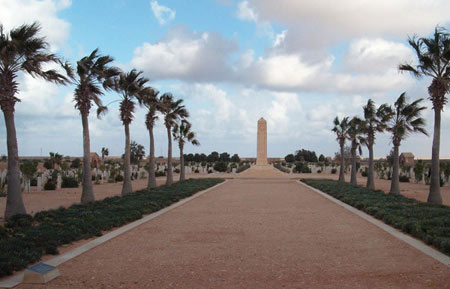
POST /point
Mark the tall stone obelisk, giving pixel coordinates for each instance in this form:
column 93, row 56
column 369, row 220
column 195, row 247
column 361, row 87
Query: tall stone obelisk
column 261, row 156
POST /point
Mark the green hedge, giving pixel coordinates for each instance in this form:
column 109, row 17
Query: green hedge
column 25, row 238
column 425, row 221
column 242, row 168
column 281, row 168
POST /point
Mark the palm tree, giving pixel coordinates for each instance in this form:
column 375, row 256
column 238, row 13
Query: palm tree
column 183, row 133
column 94, row 76
column 130, row 85
column 172, row 110
column 354, row 135
column 55, row 159
column 406, row 119
column 375, row 120
column 105, row 152
column 434, row 61
column 22, row 50
column 150, row 101
column 341, row 130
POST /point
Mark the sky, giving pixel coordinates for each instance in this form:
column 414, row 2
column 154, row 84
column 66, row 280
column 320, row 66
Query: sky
column 298, row 64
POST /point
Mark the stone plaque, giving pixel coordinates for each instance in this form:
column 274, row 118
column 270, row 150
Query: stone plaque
column 40, row 273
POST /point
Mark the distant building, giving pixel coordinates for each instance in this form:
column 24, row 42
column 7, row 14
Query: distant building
column 406, row 159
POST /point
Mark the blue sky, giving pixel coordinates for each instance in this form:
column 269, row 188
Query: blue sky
column 296, row 63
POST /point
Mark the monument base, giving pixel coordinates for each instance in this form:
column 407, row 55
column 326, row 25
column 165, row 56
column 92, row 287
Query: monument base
column 266, row 171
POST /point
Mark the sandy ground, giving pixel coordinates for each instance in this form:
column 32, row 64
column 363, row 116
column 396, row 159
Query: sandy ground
column 254, row 234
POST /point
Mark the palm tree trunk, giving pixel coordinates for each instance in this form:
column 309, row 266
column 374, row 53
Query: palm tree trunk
column 353, row 173
column 169, row 180
column 182, row 173
column 370, row 176
column 14, row 201
column 151, row 162
column 126, row 187
column 87, row 194
column 395, row 185
column 341, row 168
column 435, row 187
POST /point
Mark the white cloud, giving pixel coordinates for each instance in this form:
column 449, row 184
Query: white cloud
column 287, row 71
column 184, row 54
column 17, row 12
column 376, row 55
column 279, row 38
column 390, row 80
column 244, row 12
column 318, row 23
column 162, row 13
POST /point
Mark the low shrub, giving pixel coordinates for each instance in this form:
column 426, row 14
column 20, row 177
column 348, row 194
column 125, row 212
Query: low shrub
column 160, row 174
column 69, row 182
column 50, row 185
column 302, row 167
column 220, row 167
column 333, row 171
column 196, row 171
column 25, row 238
column 365, row 172
column 319, row 171
column 177, row 171
column 33, row 182
column 119, row 178
column 403, row 179
column 242, row 168
column 425, row 221
column 281, row 168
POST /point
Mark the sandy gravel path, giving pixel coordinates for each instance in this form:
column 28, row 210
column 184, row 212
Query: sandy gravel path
column 254, row 234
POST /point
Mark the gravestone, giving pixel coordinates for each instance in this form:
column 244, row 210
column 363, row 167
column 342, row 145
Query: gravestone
column 39, row 184
column 58, row 182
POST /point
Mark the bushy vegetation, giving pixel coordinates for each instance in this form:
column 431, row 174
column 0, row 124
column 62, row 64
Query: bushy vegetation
column 50, row 185
column 429, row 222
column 242, row 168
column 76, row 163
column 24, row 239
column 403, row 179
column 69, row 182
column 160, row 174
column 306, row 155
column 221, row 166
column 302, row 167
column 281, row 168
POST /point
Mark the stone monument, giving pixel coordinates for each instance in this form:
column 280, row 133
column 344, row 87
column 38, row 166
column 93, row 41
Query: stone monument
column 261, row 155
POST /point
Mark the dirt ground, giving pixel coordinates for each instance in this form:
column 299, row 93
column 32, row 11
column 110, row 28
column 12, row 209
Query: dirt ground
column 254, row 233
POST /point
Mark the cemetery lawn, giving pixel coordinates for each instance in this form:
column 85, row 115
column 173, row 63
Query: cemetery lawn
column 24, row 238
column 428, row 222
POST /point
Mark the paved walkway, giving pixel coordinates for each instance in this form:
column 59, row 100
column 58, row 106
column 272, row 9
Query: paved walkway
column 254, row 234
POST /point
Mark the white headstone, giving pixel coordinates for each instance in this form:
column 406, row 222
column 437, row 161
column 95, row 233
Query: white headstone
column 58, row 182
column 39, row 184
